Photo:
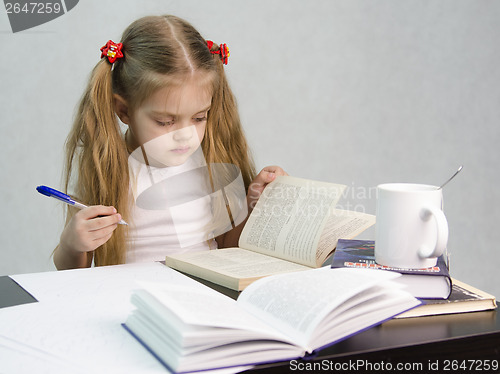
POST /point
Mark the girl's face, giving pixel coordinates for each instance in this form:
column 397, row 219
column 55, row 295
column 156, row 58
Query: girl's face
column 171, row 123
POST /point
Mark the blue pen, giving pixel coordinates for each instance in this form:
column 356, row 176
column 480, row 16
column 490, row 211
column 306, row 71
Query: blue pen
column 50, row 192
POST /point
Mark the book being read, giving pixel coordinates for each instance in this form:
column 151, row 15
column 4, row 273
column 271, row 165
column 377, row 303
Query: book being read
column 294, row 226
column 276, row 318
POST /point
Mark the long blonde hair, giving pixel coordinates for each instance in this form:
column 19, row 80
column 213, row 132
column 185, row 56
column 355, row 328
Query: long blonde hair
column 158, row 50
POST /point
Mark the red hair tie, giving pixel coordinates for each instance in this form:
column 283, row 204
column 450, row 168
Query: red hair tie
column 112, row 51
column 223, row 51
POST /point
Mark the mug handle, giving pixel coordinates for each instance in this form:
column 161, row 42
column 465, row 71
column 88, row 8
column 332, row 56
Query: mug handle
column 442, row 232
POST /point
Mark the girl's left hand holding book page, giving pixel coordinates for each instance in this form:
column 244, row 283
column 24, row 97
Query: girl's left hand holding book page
column 265, row 176
column 87, row 230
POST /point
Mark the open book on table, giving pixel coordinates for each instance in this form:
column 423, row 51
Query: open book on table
column 276, row 318
column 293, row 227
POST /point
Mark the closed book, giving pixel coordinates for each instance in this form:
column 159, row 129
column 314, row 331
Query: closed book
column 464, row 298
column 428, row 283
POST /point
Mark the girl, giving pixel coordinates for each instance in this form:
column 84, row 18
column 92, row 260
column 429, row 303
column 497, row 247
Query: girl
column 167, row 85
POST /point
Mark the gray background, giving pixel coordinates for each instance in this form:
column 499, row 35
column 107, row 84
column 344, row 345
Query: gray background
column 353, row 92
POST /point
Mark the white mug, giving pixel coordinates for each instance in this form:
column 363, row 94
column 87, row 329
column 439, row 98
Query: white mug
column 411, row 228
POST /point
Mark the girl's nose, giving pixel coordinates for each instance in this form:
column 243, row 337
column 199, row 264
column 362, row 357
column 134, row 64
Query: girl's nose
column 184, row 133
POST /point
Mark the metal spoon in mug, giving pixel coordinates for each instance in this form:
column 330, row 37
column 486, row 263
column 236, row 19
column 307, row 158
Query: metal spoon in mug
column 453, row 176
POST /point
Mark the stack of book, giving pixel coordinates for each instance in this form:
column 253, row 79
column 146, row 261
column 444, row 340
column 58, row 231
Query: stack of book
column 439, row 293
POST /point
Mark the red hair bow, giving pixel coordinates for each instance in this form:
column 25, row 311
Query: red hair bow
column 112, row 51
column 223, row 51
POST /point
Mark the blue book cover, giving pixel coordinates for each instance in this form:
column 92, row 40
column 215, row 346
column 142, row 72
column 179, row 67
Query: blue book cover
column 361, row 254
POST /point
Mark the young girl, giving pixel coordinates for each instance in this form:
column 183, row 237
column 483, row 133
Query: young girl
column 167, row 85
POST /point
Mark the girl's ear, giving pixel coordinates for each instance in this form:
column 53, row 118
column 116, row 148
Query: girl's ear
column 121, row 108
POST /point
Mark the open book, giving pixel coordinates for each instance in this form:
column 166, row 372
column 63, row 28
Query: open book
column 277, row 318
column 294, row 226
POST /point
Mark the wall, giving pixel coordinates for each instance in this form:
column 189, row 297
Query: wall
column 354, row 92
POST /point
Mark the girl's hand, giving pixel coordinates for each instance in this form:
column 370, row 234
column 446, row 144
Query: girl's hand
column 89, row 228
column 266, row 176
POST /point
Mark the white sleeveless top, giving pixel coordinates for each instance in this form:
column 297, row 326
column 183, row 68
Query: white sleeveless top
column 170, row 210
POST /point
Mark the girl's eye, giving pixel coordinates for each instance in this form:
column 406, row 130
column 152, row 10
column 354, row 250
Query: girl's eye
column 165, row 123
column 200, row 119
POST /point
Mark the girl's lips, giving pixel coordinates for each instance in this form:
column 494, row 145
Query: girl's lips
column 180, row 150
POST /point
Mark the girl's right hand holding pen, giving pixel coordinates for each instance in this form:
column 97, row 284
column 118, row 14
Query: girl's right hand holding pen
column 89, row 228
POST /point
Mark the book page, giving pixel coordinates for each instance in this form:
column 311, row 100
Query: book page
column 341, row 224
column 296, row 303
column 289, row 218
column 234, row 262
column 202, row 306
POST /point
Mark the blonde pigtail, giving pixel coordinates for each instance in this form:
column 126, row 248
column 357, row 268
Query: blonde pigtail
column 97, row 141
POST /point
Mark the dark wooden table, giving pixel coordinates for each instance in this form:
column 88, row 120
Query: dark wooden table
column 458, row 343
